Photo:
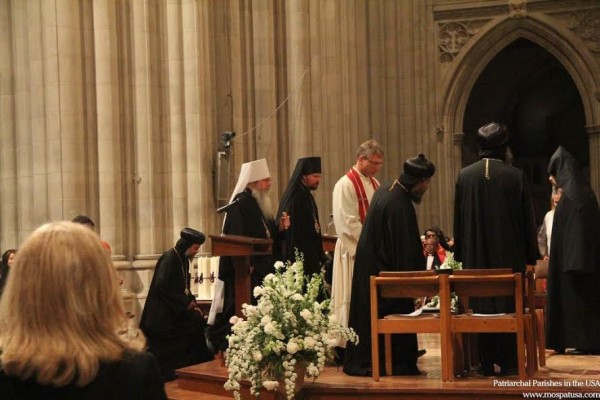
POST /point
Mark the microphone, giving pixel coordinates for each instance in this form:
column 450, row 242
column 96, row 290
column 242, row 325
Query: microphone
column 226, row 208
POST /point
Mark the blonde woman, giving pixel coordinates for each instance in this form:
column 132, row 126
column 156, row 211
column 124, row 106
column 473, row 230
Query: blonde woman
column 60, row 318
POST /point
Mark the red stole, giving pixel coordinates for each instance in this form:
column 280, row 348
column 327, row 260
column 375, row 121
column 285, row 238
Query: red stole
column 363, row 201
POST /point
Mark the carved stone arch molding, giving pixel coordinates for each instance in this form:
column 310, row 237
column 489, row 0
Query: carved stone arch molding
column 546, row 32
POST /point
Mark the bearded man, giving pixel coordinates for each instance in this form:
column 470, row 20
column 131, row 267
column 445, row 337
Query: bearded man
column 389, row 241
column 494, row 227
column 250, row 215
column 298, row 204
column 172, row 321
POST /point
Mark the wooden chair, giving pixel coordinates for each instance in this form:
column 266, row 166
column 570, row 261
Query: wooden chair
column 540, row 275
column 530, row 326
column 529, row 320
column 407, row 285
column 467, row 344
column 483, row 285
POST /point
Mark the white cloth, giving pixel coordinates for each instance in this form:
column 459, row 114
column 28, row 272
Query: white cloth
column 217, row 302
column 348, row 227
column 548, row 220
column 429, row 262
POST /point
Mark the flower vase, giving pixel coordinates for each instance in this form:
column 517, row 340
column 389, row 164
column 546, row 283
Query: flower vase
column 300, row 370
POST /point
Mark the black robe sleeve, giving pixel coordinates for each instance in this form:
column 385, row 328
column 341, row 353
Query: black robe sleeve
column 167, row 302
column 170, row 283
column 304, row 233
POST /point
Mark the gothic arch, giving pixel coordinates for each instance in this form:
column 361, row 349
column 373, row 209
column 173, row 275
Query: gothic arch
column 561, row 43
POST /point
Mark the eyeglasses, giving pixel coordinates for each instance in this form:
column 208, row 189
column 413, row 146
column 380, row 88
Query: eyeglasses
column 374, row 162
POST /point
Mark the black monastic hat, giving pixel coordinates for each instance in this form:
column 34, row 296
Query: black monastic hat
column 417, row 169
column 192, row 236
column 304, row 166
column 309, row 165
column 492, row 136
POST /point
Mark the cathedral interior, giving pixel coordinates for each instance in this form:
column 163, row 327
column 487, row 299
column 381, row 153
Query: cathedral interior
column 120, row 109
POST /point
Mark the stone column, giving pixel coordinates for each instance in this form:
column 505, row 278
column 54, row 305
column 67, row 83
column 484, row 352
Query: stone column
column 242, row 88
column 74, row 189
column 300, row 134
column 22, row 117
column 110, row 80
column 150, row 144
column 199, row 112
column 175, row 125
column 267, row 130
column 8, row 147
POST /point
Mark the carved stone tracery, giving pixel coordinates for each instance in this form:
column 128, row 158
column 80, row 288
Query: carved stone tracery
column 585, row 24
column 453, row 38
column 517, row 8
column 456, row 27
column 589, row 30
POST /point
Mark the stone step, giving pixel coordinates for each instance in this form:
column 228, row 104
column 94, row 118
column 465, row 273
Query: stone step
column 174, row 392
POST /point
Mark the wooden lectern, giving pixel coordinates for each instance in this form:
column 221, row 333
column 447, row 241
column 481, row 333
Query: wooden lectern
column 240, row 249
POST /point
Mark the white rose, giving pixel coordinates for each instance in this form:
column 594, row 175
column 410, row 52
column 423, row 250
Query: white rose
column 278, row 264
column 266, row 307
column 251, row 311
column 271, row 385
column 257, row 291
column 312, row 370
column 297, row 297
column 292, row 347
column 305, row 314
column 265, row 320
column 269, row 328
column 257, row 356
column 233, row 320
column 309, row 342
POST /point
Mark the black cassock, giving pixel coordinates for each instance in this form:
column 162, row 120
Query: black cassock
column 4, row 270
column 304, row 233
column 389, row 241
column 494, row 227
column 175, row 334
column 573, row 310
column 245, row 219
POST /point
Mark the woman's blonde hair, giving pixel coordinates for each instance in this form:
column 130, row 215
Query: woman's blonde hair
column 62, row 308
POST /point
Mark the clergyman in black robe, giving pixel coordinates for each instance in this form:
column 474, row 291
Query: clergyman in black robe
column 389, row 241
column 494, row 227
column 573, row 308
column 250, row 216
column 171, row 320
column 304, row 233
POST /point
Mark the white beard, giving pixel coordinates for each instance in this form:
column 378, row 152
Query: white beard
column 264, row 202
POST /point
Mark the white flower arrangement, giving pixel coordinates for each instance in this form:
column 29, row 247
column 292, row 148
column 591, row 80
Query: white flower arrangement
column 449, row 263
column 288, row 328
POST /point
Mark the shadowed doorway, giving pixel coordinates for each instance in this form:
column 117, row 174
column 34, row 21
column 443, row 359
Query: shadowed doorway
column 527, row 88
